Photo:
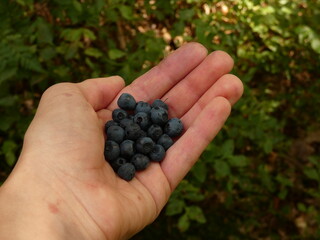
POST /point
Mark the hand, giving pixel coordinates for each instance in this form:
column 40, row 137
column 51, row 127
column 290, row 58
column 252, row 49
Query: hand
column 62, row 187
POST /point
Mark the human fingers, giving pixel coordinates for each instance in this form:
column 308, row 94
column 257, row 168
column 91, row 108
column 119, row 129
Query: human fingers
column 161, row 78
column 161, row 179
column 99, row 92
column 188, row 91
column 228, row 86
column 187, row 149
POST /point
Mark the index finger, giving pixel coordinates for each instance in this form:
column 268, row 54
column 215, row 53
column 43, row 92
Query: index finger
column 161, row 78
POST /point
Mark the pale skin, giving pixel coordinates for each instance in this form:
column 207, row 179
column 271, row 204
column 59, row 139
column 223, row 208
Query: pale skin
column 62, row 187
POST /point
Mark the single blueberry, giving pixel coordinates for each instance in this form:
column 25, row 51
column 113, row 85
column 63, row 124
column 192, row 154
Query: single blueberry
column 155, row 131
column 157, row 154
column 142, row 119
column 173, row 127
column 133, row 131
column 117, row 163
column 109, row 124
column 165, row 141
column 142, row 107
column 127, row 149
column 159, row 103
column 159, row 115
column 144, row 145
column 115, row 133
column 125, row 122
column 126, row 101
column 140, row 161
column 126, row 171
column 119, row 114
column 111, row 150
column 142, row 133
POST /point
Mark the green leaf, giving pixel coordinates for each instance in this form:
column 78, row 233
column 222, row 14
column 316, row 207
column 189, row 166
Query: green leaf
column 44, row 33
column 268, row 145
column 196, row 213
column 115, row 54
column 222, row 168
column 284, row 181
column 7, row 74
column 77, row 5
column 31, row 63
column 283, row 193
column 93, row 52
column 62, row 71
column 312, row 174
column 48, row 53
column 194, row 196
column 6, row 122
column 89, row 34
column 189, row 191
column 227, row 148
column 8, row 148
column 266, row 178
column 302, row 207
column 183, row 223
column 186, row 14
column 72, row 35
column 8, row 101
column 126, row 12
column 100, row 4
column 177, row 28
column 238, row 161
column 71, row 51
column 28, row 3
column 199, row 171
column 193, row 1
column 111, row 14
column 175, row 207
column 315, row 44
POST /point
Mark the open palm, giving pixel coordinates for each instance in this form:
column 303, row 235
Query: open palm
column 64, row 143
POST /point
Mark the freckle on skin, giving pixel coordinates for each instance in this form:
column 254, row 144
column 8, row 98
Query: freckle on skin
column 53, row 208
column 67, row 94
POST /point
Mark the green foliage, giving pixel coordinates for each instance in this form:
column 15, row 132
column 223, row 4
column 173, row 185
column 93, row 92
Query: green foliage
column 260, row 177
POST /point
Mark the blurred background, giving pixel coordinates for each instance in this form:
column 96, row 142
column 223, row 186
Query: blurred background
column 260, row 178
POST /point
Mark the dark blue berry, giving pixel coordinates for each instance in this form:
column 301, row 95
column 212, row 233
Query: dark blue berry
column 142, row 133
column 159, row 103
column 126, row 101
column 115, row 133
column 157, row 154
column 142, row 107
column 144, row 145
column 165, row 141
column 140, row 161
column 173, row 127
column 132, row 131
column 111, row 150
column 117, row 163
column 142, row 119
column 119, row 114
column 109, row 124
column 127, row 149
column 139, row 133
column 159, row 115
column 125, row 122
column 126, row 171
column 154, row 131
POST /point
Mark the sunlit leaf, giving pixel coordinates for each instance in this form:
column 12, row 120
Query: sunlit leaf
column 115, row 54
column 183, row 223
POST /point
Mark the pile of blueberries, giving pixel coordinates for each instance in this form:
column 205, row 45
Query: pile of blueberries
column 138, row 133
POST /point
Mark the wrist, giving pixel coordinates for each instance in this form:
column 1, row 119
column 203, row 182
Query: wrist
column 35, row 205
